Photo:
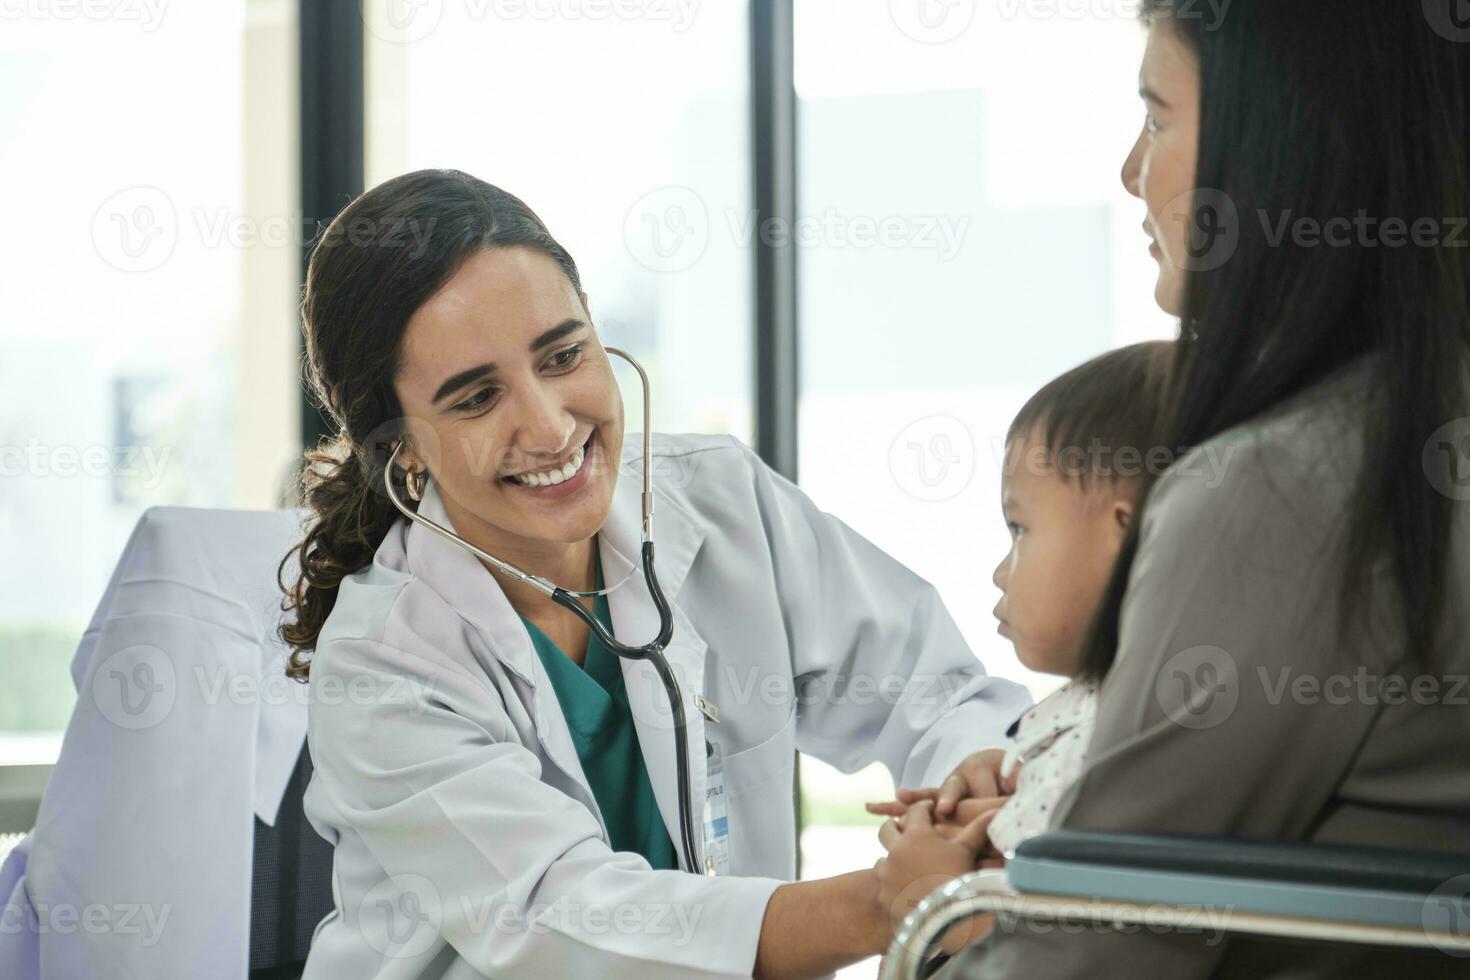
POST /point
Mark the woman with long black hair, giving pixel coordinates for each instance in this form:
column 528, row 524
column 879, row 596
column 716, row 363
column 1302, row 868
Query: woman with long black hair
column 1284, row 641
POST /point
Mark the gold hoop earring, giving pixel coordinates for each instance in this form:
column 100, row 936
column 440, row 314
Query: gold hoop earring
column 415, row 481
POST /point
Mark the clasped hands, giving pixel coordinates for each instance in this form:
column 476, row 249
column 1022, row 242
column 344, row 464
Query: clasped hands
column 934, row 835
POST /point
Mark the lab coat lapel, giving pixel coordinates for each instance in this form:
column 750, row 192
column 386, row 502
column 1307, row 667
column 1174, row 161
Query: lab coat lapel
column 473, row 592
column 678, row 535
column 469, row 588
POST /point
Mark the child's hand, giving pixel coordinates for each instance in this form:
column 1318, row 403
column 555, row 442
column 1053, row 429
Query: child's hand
column 921, row 859
column 964, row 812
column 976, row 778
column 989, row 856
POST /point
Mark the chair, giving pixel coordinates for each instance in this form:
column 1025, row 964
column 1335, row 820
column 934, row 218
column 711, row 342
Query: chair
column 291, row 885
column 177, row 793
column 1289, row 890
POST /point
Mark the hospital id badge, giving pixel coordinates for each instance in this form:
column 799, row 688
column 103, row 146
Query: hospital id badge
column 716, row 817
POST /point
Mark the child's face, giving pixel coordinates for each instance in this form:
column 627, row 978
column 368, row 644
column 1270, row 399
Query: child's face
column 1064, row 542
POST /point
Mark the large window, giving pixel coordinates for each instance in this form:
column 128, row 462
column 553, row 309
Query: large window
column 624, row 126
column 147, row 332
column 967, row 239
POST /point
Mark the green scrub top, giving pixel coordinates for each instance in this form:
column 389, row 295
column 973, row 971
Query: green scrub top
column 595, row 702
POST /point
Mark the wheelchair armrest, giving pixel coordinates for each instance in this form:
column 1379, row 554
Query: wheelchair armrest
column 1324, row 892
column 1389, row 887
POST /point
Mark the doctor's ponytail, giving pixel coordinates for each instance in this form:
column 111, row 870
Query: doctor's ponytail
column 350, row 518
column 382, row 258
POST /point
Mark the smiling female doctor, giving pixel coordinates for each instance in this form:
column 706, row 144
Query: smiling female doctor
column 501, row 789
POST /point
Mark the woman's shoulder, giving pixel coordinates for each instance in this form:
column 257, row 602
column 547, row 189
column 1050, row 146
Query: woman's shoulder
column 1267, row 501
column 366, row 602
column 387, row 618
column 1301, row 456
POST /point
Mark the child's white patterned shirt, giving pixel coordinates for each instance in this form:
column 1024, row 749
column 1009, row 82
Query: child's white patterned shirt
column 1049, row 743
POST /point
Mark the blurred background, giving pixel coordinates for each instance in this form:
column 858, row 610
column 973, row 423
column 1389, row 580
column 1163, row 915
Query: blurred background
column 854, row 233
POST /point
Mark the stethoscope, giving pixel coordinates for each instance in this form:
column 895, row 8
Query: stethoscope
column 652, row 651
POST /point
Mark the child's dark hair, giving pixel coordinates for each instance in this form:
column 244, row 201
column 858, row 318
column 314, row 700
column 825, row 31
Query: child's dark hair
column 1103, row 420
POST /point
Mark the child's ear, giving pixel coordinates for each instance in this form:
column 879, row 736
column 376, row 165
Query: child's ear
column 1122, row 515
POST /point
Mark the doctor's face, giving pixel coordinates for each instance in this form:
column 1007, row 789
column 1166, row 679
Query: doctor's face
column 1064, row 542
column 1161, row 167
column 511, row 403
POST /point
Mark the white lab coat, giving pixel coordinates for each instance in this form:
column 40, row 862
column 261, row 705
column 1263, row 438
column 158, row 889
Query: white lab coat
column 467, row 840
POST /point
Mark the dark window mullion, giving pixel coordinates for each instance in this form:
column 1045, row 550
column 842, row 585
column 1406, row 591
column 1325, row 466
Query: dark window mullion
column 773, row 148
column 332, row 134
column 773, row 168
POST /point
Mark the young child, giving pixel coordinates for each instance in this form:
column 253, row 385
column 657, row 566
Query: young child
column 1078, row 455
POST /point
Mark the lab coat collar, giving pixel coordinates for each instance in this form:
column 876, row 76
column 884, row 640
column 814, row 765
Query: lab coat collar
column 469, row 588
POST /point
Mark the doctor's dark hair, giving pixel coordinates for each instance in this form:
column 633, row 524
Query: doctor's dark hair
column 1326, row 109
column 379, row 260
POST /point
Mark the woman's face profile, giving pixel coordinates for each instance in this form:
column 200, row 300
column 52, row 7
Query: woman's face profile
column 1161, row 167
column 505, row 389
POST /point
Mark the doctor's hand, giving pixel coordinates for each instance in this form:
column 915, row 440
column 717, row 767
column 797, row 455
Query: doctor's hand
column 965, row 812
column 921, row 859
column 976, row 779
